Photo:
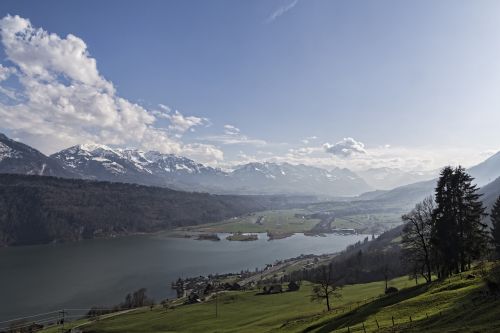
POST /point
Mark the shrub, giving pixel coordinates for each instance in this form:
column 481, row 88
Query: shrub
column 391, row 290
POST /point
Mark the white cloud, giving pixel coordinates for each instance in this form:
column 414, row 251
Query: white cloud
column 347, row 147
column 181, row 123
column 308, row 139
column 281, row 10
column 233, row 136
column 64, row 100
column 231, row 130
column 44, row 56
column 5, row 72
column 165, row 108
column 203, row 153
column 235, row 140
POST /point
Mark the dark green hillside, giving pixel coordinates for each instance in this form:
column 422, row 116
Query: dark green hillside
column 37, row 209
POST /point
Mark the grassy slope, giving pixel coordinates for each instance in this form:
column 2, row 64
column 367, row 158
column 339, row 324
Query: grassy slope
column 239, row 312
column 453, row 305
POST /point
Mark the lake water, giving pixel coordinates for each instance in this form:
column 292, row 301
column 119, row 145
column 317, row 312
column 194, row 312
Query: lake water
column 35, row 279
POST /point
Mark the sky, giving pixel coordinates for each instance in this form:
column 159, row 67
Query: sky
column 413, row 85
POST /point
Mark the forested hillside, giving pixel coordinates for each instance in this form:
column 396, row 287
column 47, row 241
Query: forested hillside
column 37, row 209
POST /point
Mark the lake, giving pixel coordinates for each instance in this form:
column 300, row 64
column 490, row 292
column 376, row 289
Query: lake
column 35, row 279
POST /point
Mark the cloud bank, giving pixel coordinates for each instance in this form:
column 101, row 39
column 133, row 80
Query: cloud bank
column 61, row 99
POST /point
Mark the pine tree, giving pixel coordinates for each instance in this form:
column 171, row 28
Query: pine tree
column 458, row 235
column 495, row 221
column 443, row 234
column 473, row 236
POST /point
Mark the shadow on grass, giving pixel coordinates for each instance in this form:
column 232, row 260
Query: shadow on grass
column 360, row 314
column 471, row 312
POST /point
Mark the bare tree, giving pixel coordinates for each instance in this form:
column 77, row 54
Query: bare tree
column 386, row 271
column 417, row 235
column 326, row 288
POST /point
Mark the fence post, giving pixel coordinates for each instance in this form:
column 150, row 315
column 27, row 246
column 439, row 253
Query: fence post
column 348, row 329
column 63, row 313
column 427, row 315
column 364, row 330
column 393, row 321
column 376, row 321
column 410, row 319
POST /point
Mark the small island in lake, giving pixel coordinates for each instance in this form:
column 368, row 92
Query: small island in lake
column 279, row 235
column 242, row 237
column 211, row 237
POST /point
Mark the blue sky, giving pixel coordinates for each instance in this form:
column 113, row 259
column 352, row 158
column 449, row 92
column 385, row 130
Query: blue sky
column 411, row 84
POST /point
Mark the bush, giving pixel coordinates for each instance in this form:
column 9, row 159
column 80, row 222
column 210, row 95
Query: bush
column 391, row 290
column 293, row 286
column 492, row 280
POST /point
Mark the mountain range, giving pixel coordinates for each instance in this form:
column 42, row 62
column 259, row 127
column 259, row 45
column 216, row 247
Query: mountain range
column 100, row 162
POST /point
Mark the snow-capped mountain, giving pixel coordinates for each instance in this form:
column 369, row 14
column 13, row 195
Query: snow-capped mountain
column 101, row 162
column 16, row 157
column 153, row 168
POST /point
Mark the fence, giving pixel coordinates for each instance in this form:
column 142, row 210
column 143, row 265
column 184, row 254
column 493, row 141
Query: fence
column 375, row 325
column 43, row 320
column 393, row 323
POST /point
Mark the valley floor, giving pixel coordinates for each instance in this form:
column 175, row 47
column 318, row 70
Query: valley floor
column 289, row 221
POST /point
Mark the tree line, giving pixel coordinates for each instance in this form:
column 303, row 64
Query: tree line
column 445, row 233
column 41, row 209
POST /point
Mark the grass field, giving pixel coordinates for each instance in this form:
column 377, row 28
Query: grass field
column 454, row 305
column 361, row 221
column 238, row 312
column 275, row 221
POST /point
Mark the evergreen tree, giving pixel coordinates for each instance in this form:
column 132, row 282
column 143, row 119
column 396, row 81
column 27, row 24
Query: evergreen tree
column 473, row 232
column 495, row 221
column 458, row 235
column 443, row 240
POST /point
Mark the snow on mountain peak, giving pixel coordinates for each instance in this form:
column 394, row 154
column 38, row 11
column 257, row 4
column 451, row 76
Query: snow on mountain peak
column 7, row 152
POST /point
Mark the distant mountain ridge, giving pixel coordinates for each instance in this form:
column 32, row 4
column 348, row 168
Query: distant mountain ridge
column 100, row 162
column 386, row 178
column 16, row 157
column 486, row 171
